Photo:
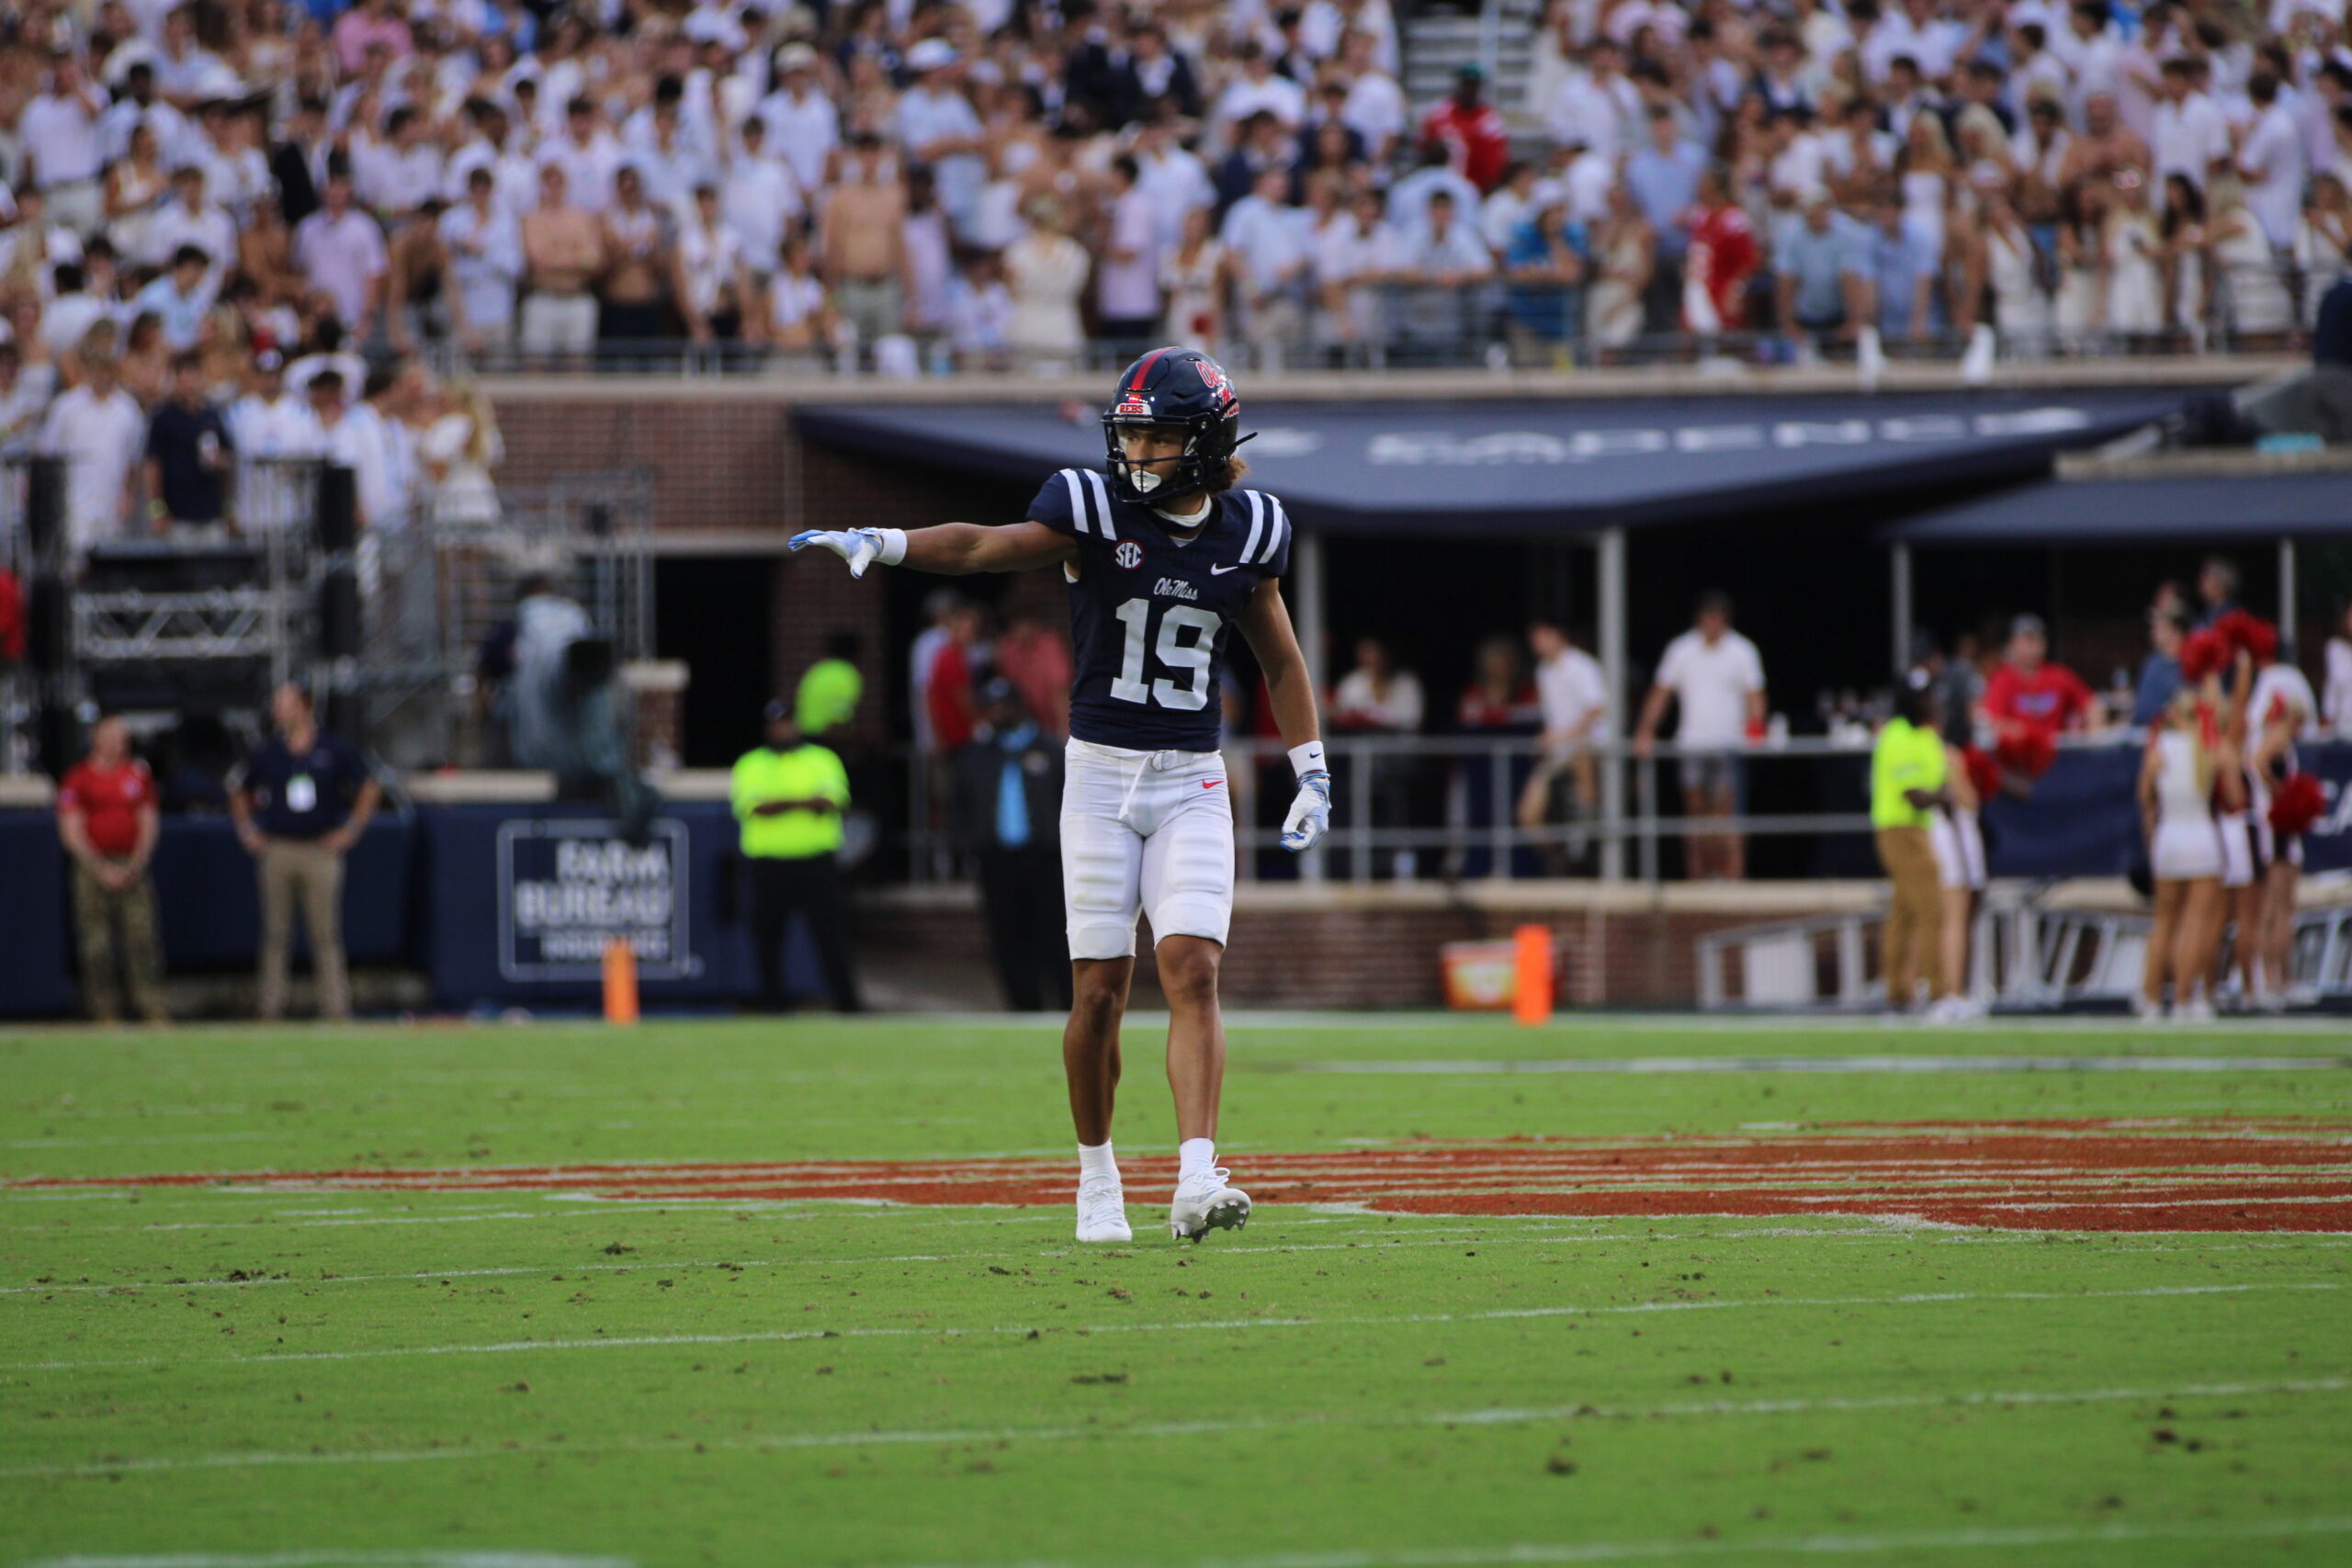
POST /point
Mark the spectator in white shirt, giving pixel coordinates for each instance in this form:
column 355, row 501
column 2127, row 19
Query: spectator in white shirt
column 803, row 125
column 760, row 195
column 1126, row 279
column 1602, row 103
column 937, row 126
column 1375, row 107
column 138, row 105
column 100, row 433
column 1376, row 697
column 719, row 298
column 1258, row 88
column 1717, row 679
column 59, row 134
column 2270, row 161
column 1443, row 256
column 1262, row 236
column 666, row 157
column 190, row 219
column 341, row 251
column 1574, row 695
column 515, row 180
column 589, row 156
column 268, row 424
column 484, row 245
column 403, row 172
column 1350, row 259
column 72, row 310
column 2188, row 136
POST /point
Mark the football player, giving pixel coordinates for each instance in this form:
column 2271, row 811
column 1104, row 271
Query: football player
column 1162, row 554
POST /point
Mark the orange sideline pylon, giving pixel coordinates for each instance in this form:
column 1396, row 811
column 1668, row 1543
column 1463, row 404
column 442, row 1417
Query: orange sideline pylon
column 1532, row 996
column 620, row 982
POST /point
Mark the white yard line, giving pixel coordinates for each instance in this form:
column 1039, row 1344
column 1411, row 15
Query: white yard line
column 1895, row 1543
column 1974, row 1399
column 334, row 1558
column 642, row 1341
column 1453, row 1066
column 1880, row 1229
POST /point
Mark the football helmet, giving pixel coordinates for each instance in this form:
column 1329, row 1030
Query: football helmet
column 1178, row 388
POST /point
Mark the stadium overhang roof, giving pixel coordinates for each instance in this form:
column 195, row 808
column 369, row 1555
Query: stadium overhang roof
column 2177, row 508
column 1547, row 466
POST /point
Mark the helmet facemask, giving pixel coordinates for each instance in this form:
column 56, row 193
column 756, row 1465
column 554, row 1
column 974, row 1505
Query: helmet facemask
column 1156, row 482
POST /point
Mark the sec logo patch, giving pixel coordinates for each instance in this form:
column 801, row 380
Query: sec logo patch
column 1129, row 554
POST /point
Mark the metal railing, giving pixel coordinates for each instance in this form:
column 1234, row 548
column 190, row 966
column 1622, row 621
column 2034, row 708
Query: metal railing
column 1493, row 322
column 1482, row 842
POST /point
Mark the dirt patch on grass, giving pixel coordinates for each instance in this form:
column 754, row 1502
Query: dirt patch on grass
column 2072, row 1175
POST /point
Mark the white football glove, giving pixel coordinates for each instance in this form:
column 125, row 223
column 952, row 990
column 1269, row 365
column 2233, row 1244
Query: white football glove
column 1310, row 814
column 859, row 546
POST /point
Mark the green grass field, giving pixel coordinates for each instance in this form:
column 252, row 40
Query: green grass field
column 1612, row 1291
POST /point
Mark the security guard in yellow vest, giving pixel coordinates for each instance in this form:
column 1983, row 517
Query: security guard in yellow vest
column 789, row 796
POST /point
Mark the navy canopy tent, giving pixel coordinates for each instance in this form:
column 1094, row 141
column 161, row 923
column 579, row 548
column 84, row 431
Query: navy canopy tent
column 1550, row 466
column 2192, row 509
column 2182, row 508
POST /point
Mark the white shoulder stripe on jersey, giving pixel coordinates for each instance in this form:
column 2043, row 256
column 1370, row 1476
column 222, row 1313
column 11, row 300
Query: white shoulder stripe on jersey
column 1256, row 522
column 1077, row 499
column 1102, row 502
column 1280, row 533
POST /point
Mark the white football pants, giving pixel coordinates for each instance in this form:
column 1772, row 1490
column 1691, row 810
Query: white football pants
column 1144, row 833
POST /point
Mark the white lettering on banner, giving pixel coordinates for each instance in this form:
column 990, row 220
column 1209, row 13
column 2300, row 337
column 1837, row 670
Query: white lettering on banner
column 1414, row 448
column 566, row 889
column 1718, row 437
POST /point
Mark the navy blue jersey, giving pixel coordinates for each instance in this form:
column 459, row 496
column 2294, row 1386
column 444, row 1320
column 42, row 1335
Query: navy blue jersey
column 1149, row 612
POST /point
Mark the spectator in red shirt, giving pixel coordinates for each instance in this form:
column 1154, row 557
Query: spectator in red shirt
column 109, row 820
column 1724, row 255
column 2029, row 700
column 955, row 716
column 1035, row 659
column 1471, row 131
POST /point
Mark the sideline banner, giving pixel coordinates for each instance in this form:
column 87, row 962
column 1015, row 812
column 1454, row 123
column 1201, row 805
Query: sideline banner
column 521, row 901
column 2084, row 817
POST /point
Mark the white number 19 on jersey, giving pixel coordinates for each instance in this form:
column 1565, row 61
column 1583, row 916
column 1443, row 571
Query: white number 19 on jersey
column 1175, row 654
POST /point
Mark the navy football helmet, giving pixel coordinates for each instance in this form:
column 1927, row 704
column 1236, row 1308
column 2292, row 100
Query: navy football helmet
column 1178, row 388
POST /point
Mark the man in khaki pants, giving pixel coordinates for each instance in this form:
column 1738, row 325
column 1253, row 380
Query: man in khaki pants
column 301, row 802
column 1907, row 786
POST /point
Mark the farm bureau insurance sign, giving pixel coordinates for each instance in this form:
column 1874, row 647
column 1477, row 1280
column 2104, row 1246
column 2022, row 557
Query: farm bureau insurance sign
column 566, row 889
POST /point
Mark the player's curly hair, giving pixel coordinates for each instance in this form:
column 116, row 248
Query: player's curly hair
column 1227, row 474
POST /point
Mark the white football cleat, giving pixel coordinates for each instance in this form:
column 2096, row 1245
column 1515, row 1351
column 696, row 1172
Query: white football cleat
column 1204, row 1203
column 1103, row 1212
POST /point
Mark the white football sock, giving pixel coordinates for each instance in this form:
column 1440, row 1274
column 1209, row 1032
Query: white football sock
column 1194, row 1155
column 1096, row 1163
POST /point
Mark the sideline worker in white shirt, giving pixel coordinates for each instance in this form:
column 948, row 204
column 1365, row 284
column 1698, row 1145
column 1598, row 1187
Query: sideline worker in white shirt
column 1574, row 698
column 1718, row 677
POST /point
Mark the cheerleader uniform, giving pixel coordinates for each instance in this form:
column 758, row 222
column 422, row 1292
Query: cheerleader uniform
column 2187, row 843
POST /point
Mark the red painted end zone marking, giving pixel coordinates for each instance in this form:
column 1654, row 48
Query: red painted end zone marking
column 2072, row 1175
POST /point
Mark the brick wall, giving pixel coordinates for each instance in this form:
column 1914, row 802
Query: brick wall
column 1617, row 948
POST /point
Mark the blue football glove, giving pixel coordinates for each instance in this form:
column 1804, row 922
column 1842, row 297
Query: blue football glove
column 1310, row 814
column 859, row 546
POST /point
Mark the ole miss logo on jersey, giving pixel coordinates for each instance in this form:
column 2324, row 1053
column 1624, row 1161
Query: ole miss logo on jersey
column 1129, row 555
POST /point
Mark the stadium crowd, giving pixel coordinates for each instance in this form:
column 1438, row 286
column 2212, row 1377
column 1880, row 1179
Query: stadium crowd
column 1002, row 185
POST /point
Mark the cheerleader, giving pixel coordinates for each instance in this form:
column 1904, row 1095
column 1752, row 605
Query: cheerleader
column 2177, row 782
column 2281, row 710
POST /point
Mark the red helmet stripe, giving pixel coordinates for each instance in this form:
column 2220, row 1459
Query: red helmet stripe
column 1143, row 370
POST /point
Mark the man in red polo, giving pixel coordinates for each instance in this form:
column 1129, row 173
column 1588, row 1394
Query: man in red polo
column 108, row 819
column 2031, row 699
column 1471, row 129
